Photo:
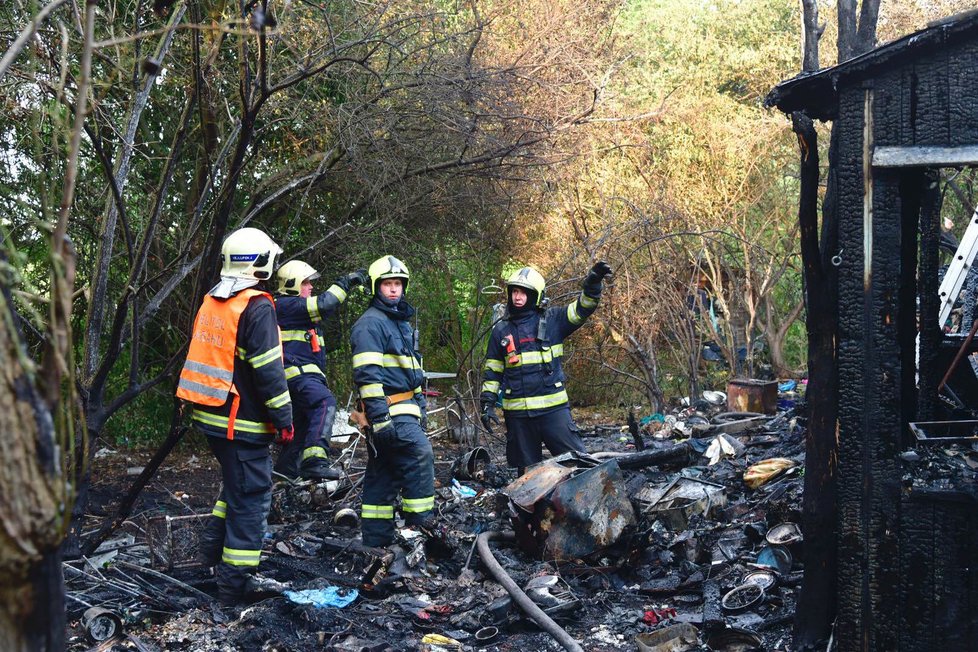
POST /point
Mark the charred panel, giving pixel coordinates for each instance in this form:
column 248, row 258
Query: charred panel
column 930, row 331
column 963, row 94
column 939, row 540
column 912, row 193
column 890, row 126
column 930, row 100
column 882, row 417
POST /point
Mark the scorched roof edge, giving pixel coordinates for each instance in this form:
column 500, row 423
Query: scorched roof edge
column 817, row 93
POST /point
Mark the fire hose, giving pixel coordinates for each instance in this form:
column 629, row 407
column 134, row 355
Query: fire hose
column 522, row 599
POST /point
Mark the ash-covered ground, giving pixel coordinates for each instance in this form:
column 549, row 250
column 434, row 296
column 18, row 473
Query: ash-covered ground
column 709, row 560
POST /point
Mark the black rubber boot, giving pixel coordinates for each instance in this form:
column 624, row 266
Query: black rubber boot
column 317, row 468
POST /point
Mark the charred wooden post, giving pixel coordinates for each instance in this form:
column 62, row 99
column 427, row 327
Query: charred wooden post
column 816, row 608
column 636, row 434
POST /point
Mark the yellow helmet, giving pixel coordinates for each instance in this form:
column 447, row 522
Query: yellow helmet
column 528, row 279
column 248, row 254
column 292, row 274
column 387, row 267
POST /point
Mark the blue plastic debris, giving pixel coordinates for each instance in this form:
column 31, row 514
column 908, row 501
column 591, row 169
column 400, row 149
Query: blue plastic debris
column 331, row 596
column 462, row 490
column 787, row 386
column 775, row 557
column 658, row 418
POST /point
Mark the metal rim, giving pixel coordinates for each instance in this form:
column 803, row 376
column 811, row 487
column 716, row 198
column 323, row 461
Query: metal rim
column 742, row 597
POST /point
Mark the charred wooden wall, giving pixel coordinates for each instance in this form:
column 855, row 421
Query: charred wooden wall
column 939, row 579
column 930, row 100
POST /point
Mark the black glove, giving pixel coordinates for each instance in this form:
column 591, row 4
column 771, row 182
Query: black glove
column 592, row 282
column 352, row 280
column 489, row 415
column 424, row 420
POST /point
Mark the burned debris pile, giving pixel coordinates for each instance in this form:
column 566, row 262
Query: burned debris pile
column 676, row 532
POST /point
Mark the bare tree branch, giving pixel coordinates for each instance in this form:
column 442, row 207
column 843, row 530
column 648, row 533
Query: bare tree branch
column 25, row 35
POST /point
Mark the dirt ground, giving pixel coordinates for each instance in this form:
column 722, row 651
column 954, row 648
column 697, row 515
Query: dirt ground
column 661, row 574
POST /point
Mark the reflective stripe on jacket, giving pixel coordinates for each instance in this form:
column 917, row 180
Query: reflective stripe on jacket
column 300, row 319
column 532, row 377
column 385, row 362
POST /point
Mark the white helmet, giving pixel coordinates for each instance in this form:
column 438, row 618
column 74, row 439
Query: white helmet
column 387, row 267
column 249, row 254
column 528, row 279
column 247, row 257
column 292, row 274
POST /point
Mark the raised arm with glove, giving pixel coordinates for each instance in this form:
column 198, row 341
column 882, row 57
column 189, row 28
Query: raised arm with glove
column 593, row 281
column 353, row 280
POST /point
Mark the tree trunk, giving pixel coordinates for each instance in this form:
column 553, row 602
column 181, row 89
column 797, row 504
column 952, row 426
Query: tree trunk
column 646, row 361
column 776, row 334
column 856, row 38
column 810, row 34
column 32, row 493
column 817, row 601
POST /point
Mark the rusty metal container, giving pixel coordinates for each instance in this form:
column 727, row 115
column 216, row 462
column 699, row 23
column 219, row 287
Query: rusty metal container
column 752, row 395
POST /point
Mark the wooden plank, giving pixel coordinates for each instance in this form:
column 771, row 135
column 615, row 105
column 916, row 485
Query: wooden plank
column 918, row 531
column 882, row 415
column 923, row 156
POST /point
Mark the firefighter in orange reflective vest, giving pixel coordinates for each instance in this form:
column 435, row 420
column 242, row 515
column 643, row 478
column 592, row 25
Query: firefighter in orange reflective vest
column 523, row 362
column 300, row 316
column 235, row 379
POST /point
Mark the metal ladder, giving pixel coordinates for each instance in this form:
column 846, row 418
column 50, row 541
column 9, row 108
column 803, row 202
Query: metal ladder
column 958, row 270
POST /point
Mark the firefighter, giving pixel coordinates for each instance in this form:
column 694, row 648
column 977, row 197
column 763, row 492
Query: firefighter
column 300, row 316
column 387, row 372
column 523, row 360
column 235, row 379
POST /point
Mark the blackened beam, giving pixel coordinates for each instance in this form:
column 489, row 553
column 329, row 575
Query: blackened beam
column 679, row 453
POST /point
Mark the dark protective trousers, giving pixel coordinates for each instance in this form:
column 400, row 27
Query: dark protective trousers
column 232, row 536
column 403, row 463
column 313, row 414
column 524, row 436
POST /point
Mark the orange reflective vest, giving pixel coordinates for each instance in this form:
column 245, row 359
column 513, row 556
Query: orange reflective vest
column 207, row 377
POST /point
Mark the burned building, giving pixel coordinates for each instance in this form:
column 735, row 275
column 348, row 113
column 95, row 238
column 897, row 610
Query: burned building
column 908, row 551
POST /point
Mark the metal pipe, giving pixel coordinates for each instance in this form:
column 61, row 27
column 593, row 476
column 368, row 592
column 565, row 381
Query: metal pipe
column 526, row 604
column 960, row 354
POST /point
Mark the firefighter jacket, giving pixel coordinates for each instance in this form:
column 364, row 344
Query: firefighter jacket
column 386, row 364
column 234, row 374
column 301, row 319
column 529, row 370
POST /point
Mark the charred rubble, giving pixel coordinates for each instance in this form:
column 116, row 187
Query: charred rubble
column 691, row 543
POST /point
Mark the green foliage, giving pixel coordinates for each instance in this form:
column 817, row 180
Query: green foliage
column 466, row 143
column 143, row 422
